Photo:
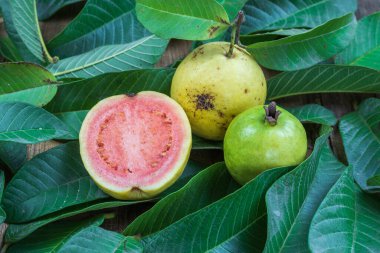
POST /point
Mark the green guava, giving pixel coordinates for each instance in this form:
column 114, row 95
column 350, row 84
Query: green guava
column 135, row 146
column 263, row 138
column 213, row 88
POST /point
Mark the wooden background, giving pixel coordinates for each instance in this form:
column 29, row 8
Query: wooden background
column 340, row 104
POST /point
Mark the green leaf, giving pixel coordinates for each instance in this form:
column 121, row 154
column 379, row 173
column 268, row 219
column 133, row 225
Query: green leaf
column 73, row 121
column 143, row 53
column 374, row 181
column 98, row 240
column 273, row 15
column 84, row 94
column 2, row 183
column 13, row 154
column 324, row 79
column 347, row 220
column 53, row 237
column 99, row 23
column 46, row 8
column 24, row 123
column 21, row 23
column 49, row 182
column 306, row 49
column 314, row 113
column 364, row 50
column 360, row 132
column 16, row 232
column 183, row 19
column 26, row 82
column 8, row 50
column 232, row 7
column 295, row 197
column 208, row 186
column 272, row 35
column 234, row 223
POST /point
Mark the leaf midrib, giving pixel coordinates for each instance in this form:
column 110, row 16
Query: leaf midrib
column 363, row 120
column 182, row 15
column 106, row 58
column 240, row 232
column 41, row 193
column 365, row 54
column 65, row 42
column 277, row 43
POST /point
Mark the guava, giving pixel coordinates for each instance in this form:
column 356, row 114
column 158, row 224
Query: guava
column 263, row 138
column 135, row 146
column 214, row 87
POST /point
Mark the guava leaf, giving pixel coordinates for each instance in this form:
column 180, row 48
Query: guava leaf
column 324, row 79
column 84, row 94
column 306, row 49
column 234, row 223
column 24, row 123
column 3, row 215
column 360, row 132
column 139, row 54
column 73, row 121
column 46, row 8
column 295, row 197
column 364, row 50
column 26, row 82
column 272, row 35
column 99, row 240
column 49, row 182
column 16, row 232
column 21, row 23
column 374, row 181
column 99, row 23
column 314, row 113
column 8, row 50
column 183, row 19
column 13, row 154
column 232, row 7
column 207, row 187
column 347, row 220
column 52, row 237
column 281, row 14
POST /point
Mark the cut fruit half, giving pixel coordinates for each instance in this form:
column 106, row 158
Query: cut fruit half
column 135, row 146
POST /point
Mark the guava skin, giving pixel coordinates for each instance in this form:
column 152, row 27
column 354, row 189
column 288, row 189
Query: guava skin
column 213, row 88
column 252, row 145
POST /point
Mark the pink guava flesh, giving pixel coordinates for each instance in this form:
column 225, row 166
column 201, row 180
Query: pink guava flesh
column 135, row 141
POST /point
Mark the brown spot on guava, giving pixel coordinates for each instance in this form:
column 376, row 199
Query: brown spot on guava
column 245, row 91
column 262, row 83
column 220, row 114
column 204, row 102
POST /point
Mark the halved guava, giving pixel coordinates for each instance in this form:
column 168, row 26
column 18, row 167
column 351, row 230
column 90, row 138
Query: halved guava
column 135, row 146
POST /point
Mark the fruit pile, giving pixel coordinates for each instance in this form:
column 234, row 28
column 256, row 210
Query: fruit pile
column 136, row 146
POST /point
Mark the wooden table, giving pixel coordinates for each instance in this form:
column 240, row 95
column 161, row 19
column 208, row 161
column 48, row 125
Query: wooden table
column 340, row 104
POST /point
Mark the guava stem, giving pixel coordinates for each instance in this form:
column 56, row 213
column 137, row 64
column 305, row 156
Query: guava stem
column 235, row 34
column 271, row 113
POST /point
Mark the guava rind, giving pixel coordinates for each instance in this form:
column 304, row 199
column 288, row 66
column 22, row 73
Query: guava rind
column 252, row 145
column 127, row 186
column 213, row 88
